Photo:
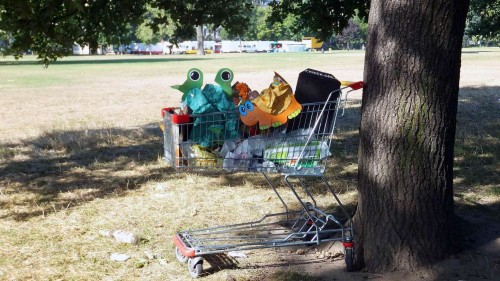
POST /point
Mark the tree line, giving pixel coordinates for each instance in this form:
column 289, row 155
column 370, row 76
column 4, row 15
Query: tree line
column 50, row 28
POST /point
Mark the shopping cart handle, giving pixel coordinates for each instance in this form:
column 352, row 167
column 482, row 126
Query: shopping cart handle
column 356, row 85
column 176, row 118
column 167, row 109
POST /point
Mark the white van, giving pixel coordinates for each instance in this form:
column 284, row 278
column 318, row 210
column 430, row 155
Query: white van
column 248, row 48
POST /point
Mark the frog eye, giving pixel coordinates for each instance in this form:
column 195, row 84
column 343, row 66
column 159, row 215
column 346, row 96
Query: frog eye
column 194, row 75
column 249, row 105
column 226, row 75
column 243, row 110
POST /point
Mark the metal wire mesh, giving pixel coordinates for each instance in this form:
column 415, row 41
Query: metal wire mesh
column 216, row 141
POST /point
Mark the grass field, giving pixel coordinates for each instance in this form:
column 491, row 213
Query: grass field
column 81, row 152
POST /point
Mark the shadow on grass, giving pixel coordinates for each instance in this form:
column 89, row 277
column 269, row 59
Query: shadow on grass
column 107, row 60
column 59, row 170
column 275, row 238
column 47, row 173
column 477, row 144
column 62, row 169
column 476, row 52
column 295, row 270
column 138, row 59
column 478, row 222
column 219, row 262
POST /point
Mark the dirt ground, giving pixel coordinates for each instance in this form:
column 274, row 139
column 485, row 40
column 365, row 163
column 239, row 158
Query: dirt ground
column 479, row 260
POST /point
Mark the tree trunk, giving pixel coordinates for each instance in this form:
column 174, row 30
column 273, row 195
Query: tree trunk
column 93, row 46
column 199, row 37
column 405, row 213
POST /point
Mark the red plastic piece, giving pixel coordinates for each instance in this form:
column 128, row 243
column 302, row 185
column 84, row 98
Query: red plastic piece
column 165, row 110
column 356, row 85
column 253, row 131
column 187, row 252
column 176, row 118
column 348, row 244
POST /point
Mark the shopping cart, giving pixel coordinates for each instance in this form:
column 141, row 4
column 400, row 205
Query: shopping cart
column 298, row 150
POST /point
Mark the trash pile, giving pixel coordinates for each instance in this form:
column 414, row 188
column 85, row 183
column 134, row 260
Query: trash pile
column 235, row 127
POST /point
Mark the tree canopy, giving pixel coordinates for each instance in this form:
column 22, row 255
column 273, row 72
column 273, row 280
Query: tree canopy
column 186, row 15
column 353, row 36
column 320, row 18
column 50, row 28
column 484, row 19
column 261, row 27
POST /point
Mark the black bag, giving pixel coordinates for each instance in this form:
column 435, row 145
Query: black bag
column 314, row 86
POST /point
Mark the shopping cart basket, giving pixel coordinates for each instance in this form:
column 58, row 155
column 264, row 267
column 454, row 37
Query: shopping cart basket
column 298, row 150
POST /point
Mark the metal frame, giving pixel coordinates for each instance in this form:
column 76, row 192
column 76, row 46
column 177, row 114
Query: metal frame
column 310, row 225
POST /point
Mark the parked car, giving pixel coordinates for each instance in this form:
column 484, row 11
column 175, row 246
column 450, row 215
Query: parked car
column 194, row 52
column 248, row 49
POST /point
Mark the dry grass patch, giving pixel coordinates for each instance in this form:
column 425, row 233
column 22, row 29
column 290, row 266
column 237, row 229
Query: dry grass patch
column 477, row 146
column 67, row 244
column 61, row 169
column 89, row 158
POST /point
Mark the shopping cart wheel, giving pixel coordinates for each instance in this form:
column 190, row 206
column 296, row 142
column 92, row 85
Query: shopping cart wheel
column 180, row 257
column 349, row 259
column 195, row 266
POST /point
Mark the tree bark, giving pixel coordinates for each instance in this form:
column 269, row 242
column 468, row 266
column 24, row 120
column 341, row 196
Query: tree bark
column 199, row 37
column 93, row 46
column 405, row 216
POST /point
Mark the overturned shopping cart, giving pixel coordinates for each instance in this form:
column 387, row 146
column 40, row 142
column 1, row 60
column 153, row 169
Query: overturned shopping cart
column 298, row 150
